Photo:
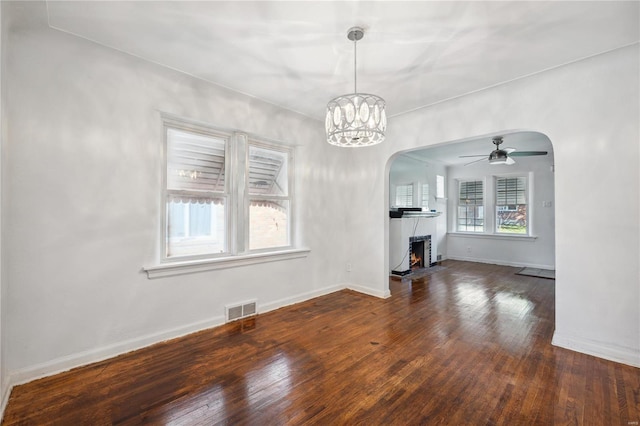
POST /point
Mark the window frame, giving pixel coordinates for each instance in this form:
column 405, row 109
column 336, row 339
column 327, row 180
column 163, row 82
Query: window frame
column 424, row 199
column 248, row 197
column 483, row 230
column 205, row 131
column 237, row 202
column 440, row 187
column 527, row 198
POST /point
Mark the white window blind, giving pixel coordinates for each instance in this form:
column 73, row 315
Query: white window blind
column 471, row 193
column 511, row 205
column 511, row 191
column 425, row 195
column 471, row 206
column 404, row 195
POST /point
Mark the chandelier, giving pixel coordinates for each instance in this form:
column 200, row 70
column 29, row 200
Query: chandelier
column 356, row 119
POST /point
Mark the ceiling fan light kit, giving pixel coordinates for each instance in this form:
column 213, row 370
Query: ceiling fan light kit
column 356, row 119
column 500, row 156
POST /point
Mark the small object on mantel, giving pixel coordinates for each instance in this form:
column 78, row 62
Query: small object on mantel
column 412, row 212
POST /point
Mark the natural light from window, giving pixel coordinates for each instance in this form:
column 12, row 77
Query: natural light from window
column 511, row 205
column 196, row 199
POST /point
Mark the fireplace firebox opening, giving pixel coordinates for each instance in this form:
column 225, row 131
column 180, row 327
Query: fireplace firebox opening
column 416, row 260
column 419, row 255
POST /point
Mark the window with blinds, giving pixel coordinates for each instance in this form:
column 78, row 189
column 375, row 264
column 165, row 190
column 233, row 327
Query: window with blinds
column 424, row 196
column 511, row 205
column 404, row 195
column 196, row 194
column 223, row 203
column 470, row 206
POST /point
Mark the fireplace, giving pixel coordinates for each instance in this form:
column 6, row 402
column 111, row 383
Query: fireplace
column 419, row 252
column 419, row 255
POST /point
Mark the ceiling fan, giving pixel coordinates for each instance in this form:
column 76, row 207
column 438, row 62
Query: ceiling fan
column 503, row 156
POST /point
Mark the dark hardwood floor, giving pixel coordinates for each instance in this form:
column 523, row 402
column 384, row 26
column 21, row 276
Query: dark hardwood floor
column 466, row 345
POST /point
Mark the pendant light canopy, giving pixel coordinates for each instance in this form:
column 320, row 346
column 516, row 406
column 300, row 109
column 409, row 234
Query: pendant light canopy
column 356, row 119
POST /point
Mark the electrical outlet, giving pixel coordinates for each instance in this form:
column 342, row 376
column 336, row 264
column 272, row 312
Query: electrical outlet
column 468, row 249
column 546, row 204
column 348, row 267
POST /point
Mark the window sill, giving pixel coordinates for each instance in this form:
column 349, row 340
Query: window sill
column 188, row 267
column 514, row 237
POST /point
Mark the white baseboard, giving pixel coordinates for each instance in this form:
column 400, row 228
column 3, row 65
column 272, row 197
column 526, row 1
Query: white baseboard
column 298, row 298
column 321, row 292
column 369, row 291
column 6, row 392
column 68, row 362
column 500, row 262
column 603, row 350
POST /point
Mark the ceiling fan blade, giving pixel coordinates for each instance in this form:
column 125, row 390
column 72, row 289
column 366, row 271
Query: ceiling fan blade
column 527, row 153
column 475, row 161
column 468, row 156
column 510, row 161
column 509, row 150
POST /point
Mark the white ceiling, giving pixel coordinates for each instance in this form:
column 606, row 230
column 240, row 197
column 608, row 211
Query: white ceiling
column 296, row 54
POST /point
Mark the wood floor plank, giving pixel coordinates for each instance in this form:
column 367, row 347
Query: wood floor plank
column 466, row 344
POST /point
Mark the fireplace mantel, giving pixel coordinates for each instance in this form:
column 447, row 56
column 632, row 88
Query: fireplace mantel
column 401, row 230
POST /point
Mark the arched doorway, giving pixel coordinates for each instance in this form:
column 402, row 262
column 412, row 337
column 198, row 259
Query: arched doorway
column 474, row 210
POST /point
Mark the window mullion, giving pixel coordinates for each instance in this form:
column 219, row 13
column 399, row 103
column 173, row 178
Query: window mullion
column 240, row 213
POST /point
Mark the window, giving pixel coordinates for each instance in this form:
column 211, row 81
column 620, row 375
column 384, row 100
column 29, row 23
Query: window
column 404, row 195
column 439, row 186
column 196, row 194
column 268, row 198
column 210, row 214
column 471, row 206
column 425, row 196
column 511, row 205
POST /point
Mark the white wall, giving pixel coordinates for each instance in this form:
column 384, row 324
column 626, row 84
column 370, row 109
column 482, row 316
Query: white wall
column 405, row 169
column 585, row 108
column 82, row 210
column 538, row 252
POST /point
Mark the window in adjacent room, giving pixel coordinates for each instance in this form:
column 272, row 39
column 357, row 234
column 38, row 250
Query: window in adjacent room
column 424, row 196
column 439, row 186
column 511, row 205
column 404, row 195
column 470, row 206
